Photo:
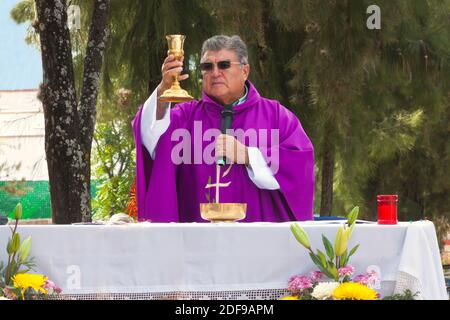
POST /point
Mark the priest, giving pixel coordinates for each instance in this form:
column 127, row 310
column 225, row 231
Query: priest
column 177, row 147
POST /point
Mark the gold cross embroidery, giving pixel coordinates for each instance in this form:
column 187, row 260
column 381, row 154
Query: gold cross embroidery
column 217, row 185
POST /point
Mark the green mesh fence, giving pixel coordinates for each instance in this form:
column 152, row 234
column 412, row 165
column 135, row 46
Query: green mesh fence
column 35, row 199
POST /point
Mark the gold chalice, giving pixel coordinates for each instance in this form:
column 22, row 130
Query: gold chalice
column 175, row 93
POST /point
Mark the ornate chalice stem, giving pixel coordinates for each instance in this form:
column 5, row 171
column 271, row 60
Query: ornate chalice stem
column 178, row 53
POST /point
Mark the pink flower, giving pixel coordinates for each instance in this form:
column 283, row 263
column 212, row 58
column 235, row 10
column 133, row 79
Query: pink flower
column 316, row 276
column 346, row 271
column 361, row 278
column 372, row 278
column 9, row 294
column 299, row 283
column 368, row 278
column 51, row 286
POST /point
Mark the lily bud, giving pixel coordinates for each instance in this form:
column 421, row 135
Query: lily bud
column 340, row 242
column 353, row 215
column 24, row 249
column 300, row 235
column 18, row 212
column 349, row 231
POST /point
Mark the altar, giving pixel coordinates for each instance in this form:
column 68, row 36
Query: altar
column 221, row 261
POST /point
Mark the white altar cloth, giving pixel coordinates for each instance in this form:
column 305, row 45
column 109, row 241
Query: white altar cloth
column 202, row 257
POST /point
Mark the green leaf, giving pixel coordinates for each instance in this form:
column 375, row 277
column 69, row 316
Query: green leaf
column 316, row 260
column 207, row 193
column 16, row 291
column 326, row 272
column 328, row 247
column 24, row 249
column 14, row 267
column 330, row 264
column 23, row 271
column 343, row 260
column 12, row 271
column 334, row 272
column 322, row 258
column 30, row 264
column 353, row 250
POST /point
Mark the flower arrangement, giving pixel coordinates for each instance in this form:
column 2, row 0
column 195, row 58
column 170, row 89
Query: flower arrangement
column 15, row 281
column 334, row 280
column 314, row 287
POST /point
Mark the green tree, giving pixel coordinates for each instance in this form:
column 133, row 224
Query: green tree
column 356, row 80
column 113, row 163
column 416, row 67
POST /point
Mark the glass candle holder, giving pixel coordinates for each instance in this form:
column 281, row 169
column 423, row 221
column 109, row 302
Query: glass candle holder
column 387, row 209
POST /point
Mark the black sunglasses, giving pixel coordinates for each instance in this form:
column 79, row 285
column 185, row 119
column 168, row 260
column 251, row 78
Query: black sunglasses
column 222, row 65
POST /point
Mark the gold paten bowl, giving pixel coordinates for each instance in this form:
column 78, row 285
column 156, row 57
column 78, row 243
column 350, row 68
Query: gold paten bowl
column 223, row 212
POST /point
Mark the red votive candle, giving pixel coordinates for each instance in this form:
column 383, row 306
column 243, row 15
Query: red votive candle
column 387, row 209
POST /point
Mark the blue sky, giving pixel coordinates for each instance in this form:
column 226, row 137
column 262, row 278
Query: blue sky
column 20, row 64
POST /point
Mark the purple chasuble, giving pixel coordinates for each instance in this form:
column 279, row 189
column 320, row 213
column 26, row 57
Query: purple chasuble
column 168, row 192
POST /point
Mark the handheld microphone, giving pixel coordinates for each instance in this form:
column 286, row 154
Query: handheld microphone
column 227, row 119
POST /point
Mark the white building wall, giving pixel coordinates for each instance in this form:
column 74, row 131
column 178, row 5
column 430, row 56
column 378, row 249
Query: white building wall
column 22, row 144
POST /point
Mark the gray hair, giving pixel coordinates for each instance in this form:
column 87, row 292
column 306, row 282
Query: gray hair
column 222, row 42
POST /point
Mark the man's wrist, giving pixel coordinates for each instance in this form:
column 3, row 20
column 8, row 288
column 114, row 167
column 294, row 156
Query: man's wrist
column 160, row 106
column 160, row 90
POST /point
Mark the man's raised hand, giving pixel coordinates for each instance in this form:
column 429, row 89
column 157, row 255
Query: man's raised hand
column 169, row 69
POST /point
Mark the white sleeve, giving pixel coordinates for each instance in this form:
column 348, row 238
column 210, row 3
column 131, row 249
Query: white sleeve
column 259, row 172
column 152, row 129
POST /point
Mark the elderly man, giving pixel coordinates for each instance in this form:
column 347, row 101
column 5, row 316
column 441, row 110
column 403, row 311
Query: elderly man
column 272, row 157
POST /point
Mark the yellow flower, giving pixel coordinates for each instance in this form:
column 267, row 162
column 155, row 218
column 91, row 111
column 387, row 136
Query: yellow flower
column 25, row 281
column 354, row 291
column 290, row 298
